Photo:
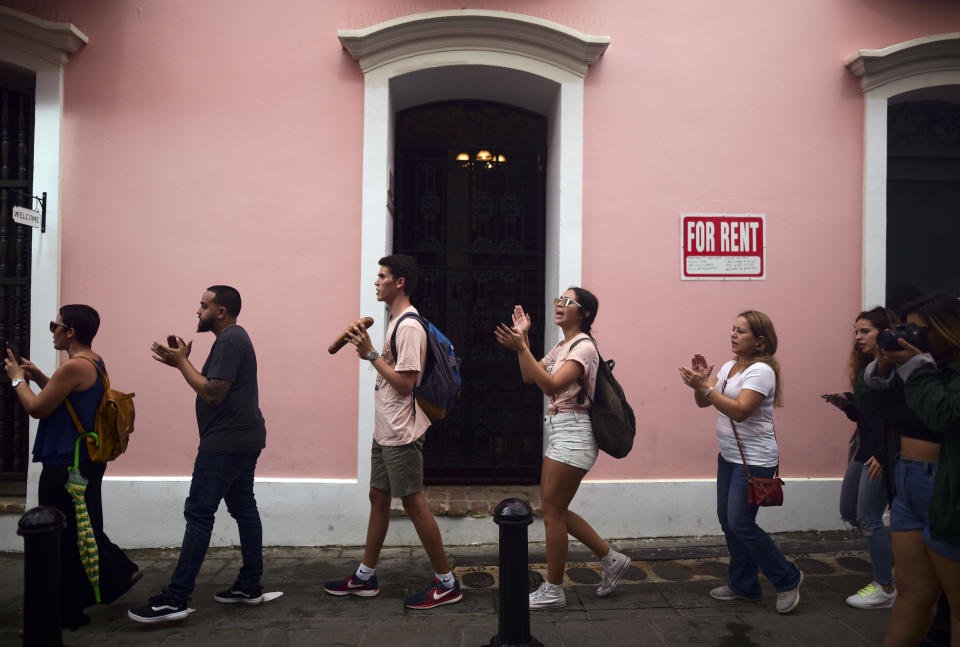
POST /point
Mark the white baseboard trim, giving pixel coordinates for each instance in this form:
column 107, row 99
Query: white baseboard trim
column 147, row 512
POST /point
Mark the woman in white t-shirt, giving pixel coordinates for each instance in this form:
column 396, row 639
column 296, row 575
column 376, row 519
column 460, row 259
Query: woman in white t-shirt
column 567, row 375
column 744, row 394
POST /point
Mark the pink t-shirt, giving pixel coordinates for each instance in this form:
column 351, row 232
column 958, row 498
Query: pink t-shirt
column 398, row 419
column 584, row 354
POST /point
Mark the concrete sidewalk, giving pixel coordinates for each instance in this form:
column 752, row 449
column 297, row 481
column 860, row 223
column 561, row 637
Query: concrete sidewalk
column 662, row 600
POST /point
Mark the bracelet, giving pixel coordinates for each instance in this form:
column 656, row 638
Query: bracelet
column 707, row 393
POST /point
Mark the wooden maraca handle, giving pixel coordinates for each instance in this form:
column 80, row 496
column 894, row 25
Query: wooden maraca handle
column 341, row 341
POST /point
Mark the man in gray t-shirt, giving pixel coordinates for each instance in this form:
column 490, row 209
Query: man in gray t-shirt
column 232, row 433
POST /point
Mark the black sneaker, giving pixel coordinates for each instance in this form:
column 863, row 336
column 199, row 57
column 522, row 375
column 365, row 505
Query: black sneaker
column 237, row 594
column 160, row 608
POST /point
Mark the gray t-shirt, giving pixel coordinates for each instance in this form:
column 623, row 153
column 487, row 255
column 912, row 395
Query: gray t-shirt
column 236, row 426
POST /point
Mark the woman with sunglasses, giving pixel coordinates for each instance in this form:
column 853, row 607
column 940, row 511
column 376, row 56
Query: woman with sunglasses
column 567, row 375
column 925, row 514
column 744, row 393
column 76, row 379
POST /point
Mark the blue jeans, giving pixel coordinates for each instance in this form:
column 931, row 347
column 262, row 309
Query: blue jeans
column 751, row 549
column 216, row 477
column 862, row 503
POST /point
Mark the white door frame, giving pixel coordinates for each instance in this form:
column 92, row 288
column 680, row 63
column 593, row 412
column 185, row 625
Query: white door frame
column 42, row 47
column 885, row 73
column 481, row 39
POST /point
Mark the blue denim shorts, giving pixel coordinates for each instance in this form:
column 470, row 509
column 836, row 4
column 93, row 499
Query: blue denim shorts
column 568, row 438
column 911, row 506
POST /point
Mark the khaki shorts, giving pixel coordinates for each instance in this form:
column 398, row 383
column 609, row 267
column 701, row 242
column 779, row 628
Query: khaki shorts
column 397, row 469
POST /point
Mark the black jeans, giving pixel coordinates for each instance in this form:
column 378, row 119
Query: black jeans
column 116, row 569
column 216, row 477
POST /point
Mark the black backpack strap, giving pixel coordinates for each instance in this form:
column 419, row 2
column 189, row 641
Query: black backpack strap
column 583, row 385
column 393, row 335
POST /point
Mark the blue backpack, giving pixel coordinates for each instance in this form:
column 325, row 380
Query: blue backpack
column 440, row 387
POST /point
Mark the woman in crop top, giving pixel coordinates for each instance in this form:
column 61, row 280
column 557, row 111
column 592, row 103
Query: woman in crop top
column 76, row 379
column 924, row 400
column 744, row 393
column 567, row 375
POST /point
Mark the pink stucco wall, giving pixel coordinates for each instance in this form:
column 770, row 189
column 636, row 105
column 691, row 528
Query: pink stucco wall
column 220, row 141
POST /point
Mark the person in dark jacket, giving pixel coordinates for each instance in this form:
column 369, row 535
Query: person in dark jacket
column 864, row 493
column 925, row 516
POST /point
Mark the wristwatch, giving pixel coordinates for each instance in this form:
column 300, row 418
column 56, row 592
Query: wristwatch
column 17, row 382
column 372, row 355
column 707, row 393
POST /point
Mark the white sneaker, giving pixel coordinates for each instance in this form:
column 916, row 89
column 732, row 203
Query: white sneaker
column 872, row 596
column 612, row 575
column 548, row 597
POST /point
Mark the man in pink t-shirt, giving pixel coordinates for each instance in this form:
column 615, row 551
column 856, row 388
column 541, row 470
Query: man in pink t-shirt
column 396, row 459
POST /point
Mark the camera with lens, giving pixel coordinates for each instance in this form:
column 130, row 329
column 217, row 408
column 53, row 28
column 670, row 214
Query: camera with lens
column 908, row 332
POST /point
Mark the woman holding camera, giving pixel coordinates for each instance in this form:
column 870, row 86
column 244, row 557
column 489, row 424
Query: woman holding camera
column 864, row 493
column 568, row 377
column 925, row 515
column 744, row 393
column 77, row 381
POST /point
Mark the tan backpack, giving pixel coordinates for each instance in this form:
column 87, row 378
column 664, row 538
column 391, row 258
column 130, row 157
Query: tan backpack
column 112, row 422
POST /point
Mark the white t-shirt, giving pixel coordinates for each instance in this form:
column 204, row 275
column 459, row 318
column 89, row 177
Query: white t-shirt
column 756, row 432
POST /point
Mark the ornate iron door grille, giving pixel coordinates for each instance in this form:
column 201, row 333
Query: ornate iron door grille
column 476, row 225
column 16, row 189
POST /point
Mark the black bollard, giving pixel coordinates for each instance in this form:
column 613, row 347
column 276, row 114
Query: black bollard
column 513, row 516
column 40, row 528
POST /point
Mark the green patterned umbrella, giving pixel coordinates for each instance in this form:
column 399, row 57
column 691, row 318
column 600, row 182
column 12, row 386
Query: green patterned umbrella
column 86, row 542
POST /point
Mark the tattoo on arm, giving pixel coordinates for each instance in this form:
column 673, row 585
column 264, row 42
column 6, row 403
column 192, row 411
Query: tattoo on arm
column 216, row 391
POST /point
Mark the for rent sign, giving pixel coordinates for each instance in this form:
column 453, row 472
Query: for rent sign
column 723, row 246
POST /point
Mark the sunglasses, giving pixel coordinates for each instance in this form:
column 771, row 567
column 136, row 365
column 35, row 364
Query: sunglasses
column 54, row 325
column 563, row 302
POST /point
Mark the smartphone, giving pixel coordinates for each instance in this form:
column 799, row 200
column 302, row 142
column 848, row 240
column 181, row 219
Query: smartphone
column 172, row 341
column 11, row 348
column 838, row 399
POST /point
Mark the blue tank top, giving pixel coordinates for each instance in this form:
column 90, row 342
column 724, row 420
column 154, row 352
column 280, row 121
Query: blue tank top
column 57, row 434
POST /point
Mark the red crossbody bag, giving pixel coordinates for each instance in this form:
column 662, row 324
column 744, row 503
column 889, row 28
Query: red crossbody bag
column 760, row 491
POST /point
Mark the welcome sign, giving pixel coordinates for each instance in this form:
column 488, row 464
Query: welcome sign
column 25, row 216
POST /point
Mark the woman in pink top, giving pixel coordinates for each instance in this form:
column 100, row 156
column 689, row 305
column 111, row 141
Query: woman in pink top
column 568, row 376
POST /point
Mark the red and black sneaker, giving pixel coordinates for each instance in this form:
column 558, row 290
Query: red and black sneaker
column 353, row 585
column 434, row 595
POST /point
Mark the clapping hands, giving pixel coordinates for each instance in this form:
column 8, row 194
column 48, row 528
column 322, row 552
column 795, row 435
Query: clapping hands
column 698, row 374
column 515, row 337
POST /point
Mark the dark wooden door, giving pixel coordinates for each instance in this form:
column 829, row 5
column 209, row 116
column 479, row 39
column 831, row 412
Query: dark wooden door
column 470, row 193
column 923, row 199
column 16, row 189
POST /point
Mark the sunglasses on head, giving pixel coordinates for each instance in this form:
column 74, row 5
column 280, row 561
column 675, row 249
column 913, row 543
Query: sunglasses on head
column 563, row 302
column 54, row 325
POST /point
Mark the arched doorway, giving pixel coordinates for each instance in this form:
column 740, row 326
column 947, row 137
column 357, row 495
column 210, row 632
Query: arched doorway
column 470, row 54
column 470, row 206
